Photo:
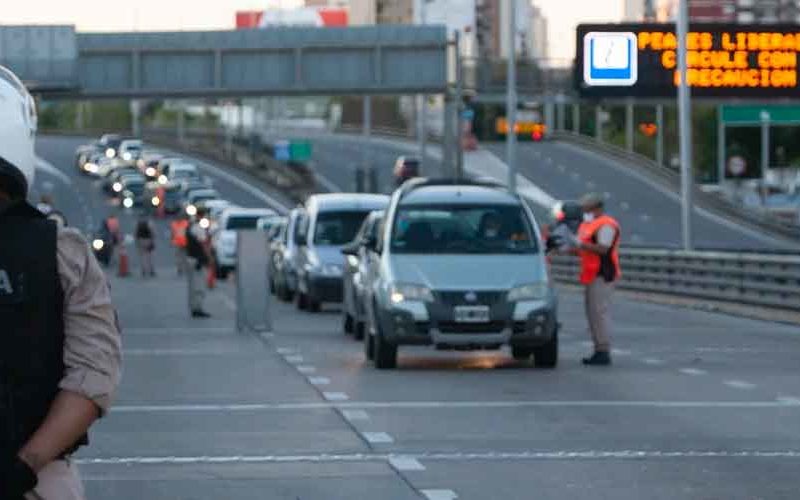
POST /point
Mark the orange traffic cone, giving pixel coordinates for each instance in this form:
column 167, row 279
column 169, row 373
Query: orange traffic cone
column 123, row 262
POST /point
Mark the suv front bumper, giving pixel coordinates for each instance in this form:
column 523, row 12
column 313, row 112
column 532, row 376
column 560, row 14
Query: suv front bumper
column 525, row 324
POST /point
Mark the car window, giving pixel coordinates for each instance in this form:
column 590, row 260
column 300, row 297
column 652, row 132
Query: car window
column 337, row 228
column 242, row 222
column 463, row 229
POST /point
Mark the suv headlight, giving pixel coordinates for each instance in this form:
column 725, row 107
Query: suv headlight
column 403, row 292
column 532, row 291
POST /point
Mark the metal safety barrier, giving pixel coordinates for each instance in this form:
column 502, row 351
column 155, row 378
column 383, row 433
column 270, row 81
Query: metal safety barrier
column 744, row 278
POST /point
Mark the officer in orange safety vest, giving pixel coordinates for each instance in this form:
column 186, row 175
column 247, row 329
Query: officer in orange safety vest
column 178, row 229
column 597, row 245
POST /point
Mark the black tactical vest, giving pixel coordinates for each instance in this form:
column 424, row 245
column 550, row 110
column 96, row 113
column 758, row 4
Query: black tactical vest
column 31, row 324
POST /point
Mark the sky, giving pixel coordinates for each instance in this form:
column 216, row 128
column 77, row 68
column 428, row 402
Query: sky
column 176, row 15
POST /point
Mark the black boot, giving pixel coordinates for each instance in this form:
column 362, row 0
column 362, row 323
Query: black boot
column 599, row 358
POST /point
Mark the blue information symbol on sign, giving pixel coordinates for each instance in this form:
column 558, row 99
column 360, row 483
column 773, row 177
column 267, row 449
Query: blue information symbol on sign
column 610, row 59
column 282, row 152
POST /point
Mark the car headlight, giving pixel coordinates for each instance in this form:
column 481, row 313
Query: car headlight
column 403, row 292
column 127, row 156
column 155, row 201
column 532, row 291
column 127, row 202
column 98, row 244
column 117, row 187
column 150, row 172
column 162, row 179
column 191, row 210
column 110, row 153
column 205, row 223
column 90, row 167
column 352, row 260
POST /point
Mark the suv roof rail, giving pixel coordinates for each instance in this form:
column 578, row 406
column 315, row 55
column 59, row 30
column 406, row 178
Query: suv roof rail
column 420, row 182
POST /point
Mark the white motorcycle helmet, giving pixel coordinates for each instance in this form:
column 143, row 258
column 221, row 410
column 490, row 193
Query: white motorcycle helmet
column 17, row 134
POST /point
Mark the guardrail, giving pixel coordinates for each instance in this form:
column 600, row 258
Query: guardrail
column 754, row 217
column 744, row 278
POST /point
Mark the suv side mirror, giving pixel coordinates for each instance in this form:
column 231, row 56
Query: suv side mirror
column 371, row 242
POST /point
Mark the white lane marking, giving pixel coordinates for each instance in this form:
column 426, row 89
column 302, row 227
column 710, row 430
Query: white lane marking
column 377, row 437
column 353, row 415
column 284, row 350
column 739, row 384
column 607, row 195
column 575, row 176
column 652, row 361
column 335, row 396
column 625, row 205
column 180, row 352
column 272, row 202
column 645, row 218
column 319, row 381
column 562, row 168
column 337, row 402
column 789, row 400
column 590, row 185
column 228, row 302
column 306, row 369
column 440, row 457
column 693, row 371
column 293, row 359
column 549, row 160
column 620, row 352
column 49, row 168
column 406, row 464
column 439, row 494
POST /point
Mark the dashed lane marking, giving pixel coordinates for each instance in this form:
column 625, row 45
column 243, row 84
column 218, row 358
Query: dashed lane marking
column 443, row 457
column 693, row 371
column 284, row 350
column 620, row 352
column 293, row 359
column 739, row 384
column 406, row 464
column 439, row 494
column 625, row 205
column 789, row 400
column 319, row 381
column 653, row 361
column 306, row 369
column 353, row 415
column 335, row 396
column 339, row 400
column 377, row 437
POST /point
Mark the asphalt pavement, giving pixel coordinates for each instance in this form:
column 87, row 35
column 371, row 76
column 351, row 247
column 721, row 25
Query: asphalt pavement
column 698, row 405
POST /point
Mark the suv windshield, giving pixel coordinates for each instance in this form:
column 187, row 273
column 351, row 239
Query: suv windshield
column 242, row 222
column 463, row 229
column 338, row 228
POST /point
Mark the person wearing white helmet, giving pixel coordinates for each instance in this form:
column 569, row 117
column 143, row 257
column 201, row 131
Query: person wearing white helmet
column 60, row 344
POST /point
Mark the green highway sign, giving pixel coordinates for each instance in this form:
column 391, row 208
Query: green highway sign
column 754, row 115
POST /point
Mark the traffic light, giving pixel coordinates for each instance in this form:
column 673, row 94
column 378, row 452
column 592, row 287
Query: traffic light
column 648, row 129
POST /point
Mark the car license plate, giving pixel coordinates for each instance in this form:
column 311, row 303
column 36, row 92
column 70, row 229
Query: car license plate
column 472, row 314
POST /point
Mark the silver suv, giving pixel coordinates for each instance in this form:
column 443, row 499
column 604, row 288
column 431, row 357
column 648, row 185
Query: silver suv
column 460, row 266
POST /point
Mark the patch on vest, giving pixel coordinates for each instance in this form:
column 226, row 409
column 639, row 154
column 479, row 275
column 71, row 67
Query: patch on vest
column 12, row 287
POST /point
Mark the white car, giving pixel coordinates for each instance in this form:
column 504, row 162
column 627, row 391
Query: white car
column 224, row 240
column 130, row 149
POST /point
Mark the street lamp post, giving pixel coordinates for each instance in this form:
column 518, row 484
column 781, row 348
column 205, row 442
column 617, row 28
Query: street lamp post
column 511, row 97
column 684, row 127
column 421, row 101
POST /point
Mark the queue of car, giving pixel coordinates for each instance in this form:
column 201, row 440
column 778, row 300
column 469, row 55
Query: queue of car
column 455, row 265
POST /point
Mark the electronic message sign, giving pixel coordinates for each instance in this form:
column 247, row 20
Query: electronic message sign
column 724, row 61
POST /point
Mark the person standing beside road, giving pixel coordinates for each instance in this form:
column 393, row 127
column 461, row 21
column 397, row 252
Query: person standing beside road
column 199, row 257
column 178, row 229
column 597, row 245
column 145, row 245
column 60, row 346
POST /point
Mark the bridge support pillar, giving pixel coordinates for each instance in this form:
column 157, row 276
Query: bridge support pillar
column 598, row 123
column 660, row 134
column 181, row 124
column 629, row 126
column 136, row 110
column 576, row 117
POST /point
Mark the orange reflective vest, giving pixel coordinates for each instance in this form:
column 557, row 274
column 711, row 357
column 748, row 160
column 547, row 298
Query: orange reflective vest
column 179, row 228
column 592, row 264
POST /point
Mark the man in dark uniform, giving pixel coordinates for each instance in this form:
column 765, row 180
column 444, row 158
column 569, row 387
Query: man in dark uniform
column 59, row 343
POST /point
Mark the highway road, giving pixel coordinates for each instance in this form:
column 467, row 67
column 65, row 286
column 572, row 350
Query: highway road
column 697, row 405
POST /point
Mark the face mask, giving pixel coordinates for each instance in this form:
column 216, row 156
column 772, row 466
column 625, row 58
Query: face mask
column 588, row 217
